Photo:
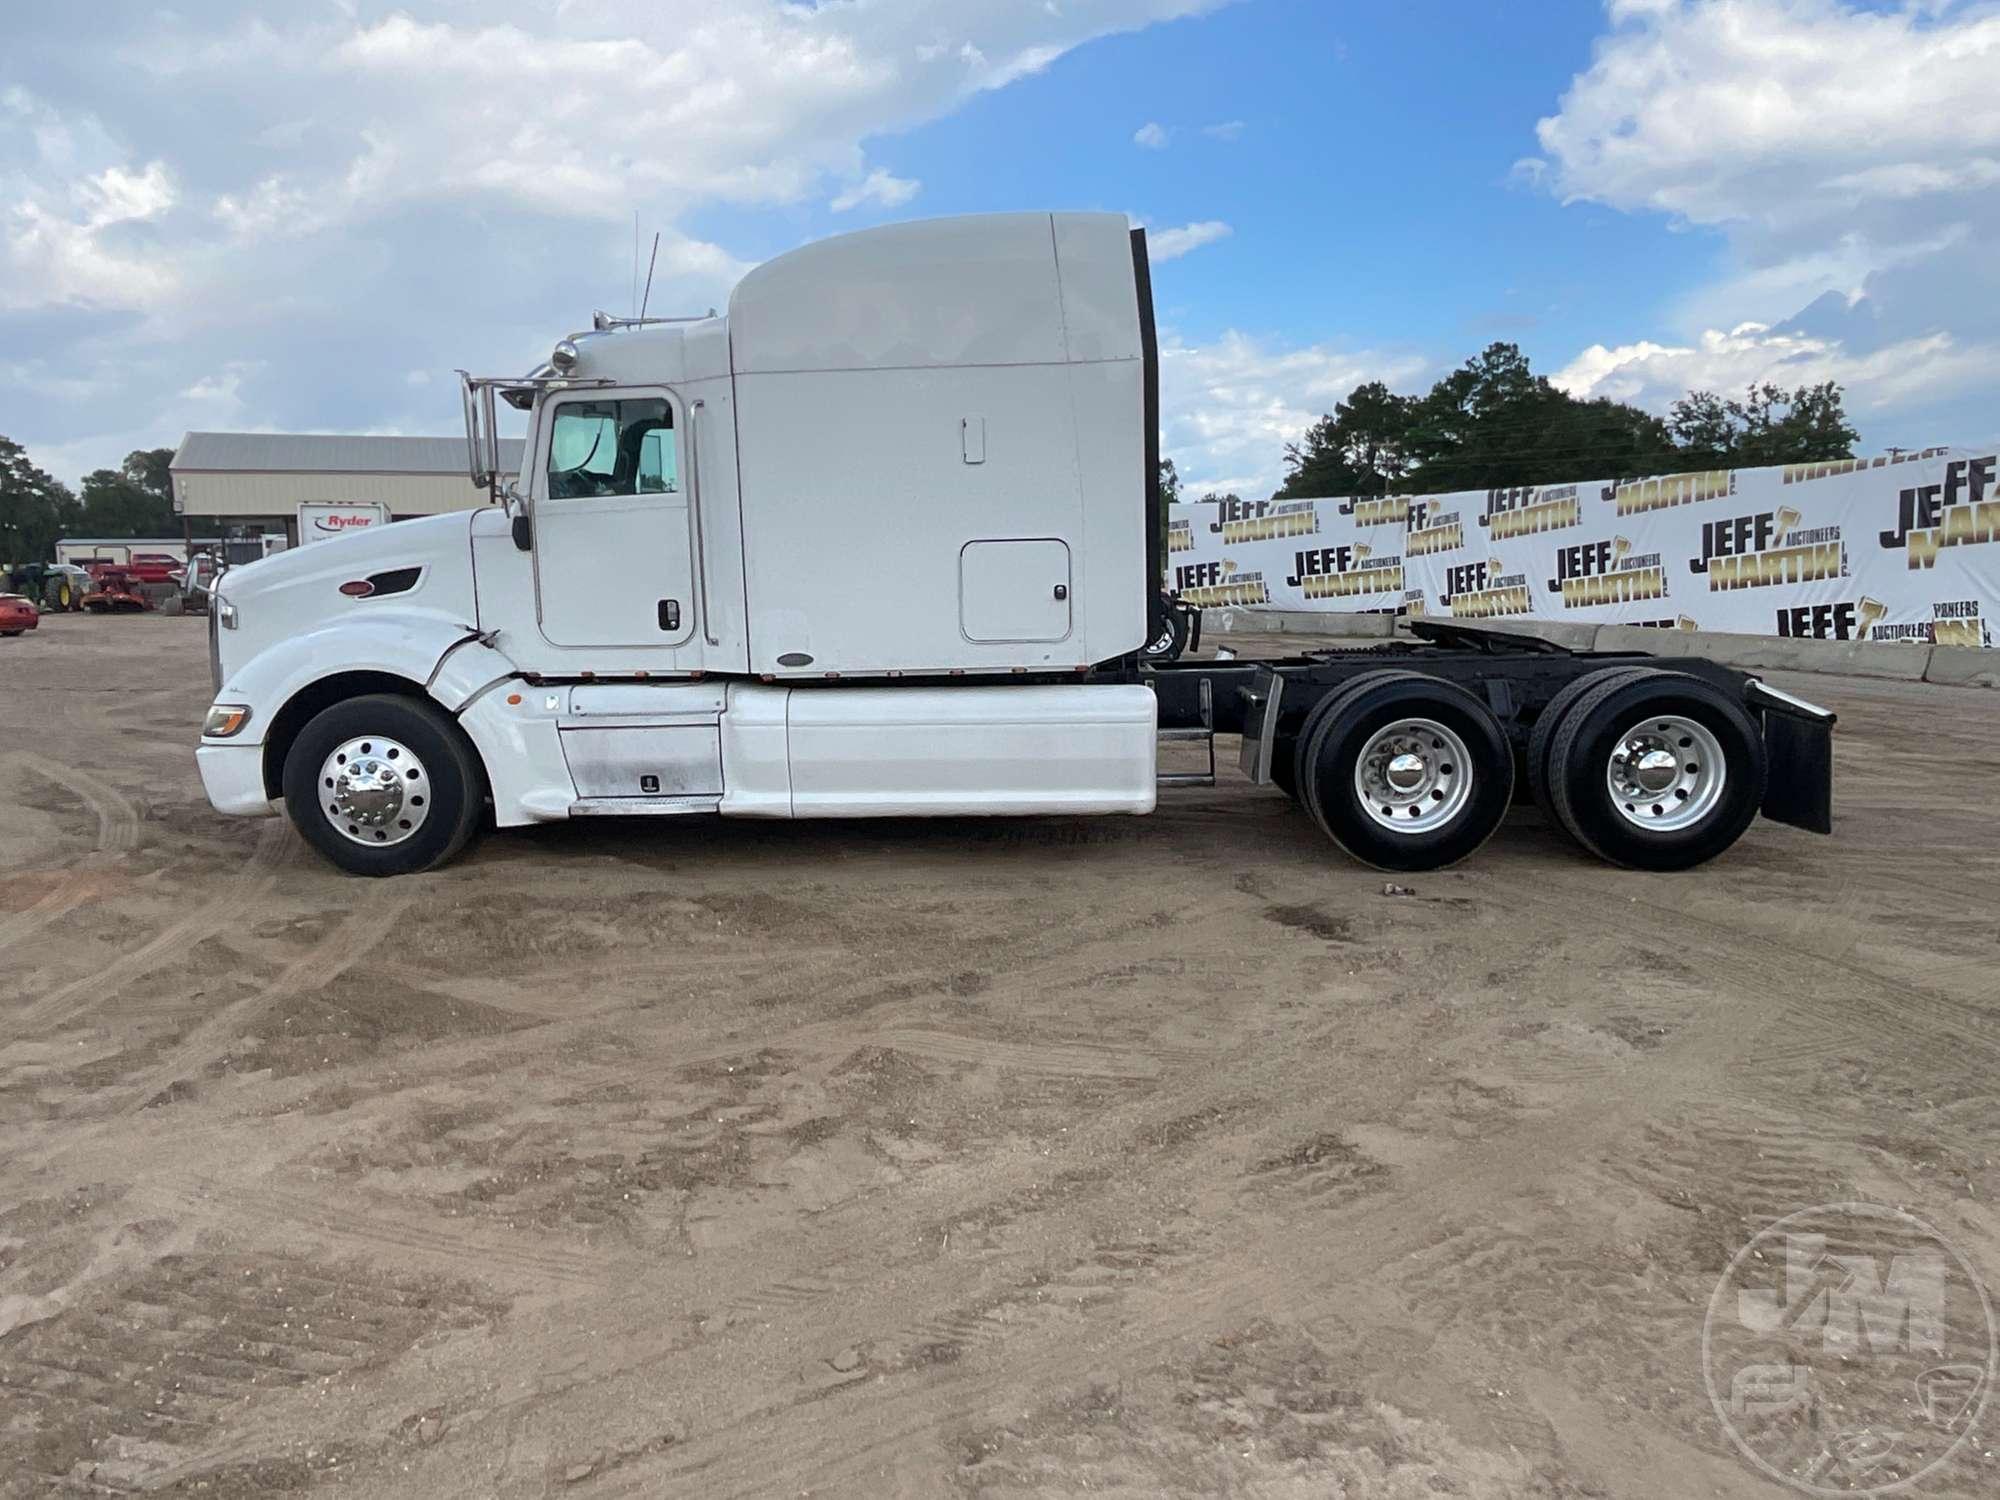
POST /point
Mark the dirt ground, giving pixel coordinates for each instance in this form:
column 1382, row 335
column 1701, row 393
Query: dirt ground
column 1130, row 1157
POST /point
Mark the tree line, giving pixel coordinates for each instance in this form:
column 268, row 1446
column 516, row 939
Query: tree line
column 134, row 499
column 1493, row 423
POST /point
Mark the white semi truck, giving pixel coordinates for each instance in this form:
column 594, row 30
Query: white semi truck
column 883, row 541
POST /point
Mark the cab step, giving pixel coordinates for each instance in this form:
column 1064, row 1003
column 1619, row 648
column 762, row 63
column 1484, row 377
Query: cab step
column 1204, row 734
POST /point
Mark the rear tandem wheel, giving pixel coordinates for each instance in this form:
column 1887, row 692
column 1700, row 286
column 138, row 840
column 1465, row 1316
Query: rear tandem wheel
column 1656, row 770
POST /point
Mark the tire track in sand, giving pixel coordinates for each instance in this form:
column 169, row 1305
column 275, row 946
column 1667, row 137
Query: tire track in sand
column 345, row 944
column 237, row 893
column 117, row 833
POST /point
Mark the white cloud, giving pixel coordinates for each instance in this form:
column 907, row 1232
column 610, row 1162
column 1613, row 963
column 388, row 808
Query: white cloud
column 1228, row 408
column 1157, row 137
column 453, row 182
column 1776, row 111
column 880, row 187
column 1847, row 156
column 72, row 211
column 273, row 206
column 1654, row 375
column 1171, row 244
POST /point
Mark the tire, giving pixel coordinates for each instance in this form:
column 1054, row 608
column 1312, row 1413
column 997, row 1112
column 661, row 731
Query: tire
column 1464, row 763
column 390, row 737
column 1172, row 640
column 1288, row 760
column 1717, row 771
column 9, row 632
column 1544, row 732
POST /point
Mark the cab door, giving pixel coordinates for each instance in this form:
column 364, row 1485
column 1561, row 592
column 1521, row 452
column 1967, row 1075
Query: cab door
column 613, row 527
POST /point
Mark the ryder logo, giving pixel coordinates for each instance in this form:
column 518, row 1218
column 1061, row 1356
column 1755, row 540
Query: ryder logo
column 1479, row 591
column 1762, row 549
column 1215, row 583
column 1957, row 513
column 1344, row 572
column 1523, row 512
column 1607, row 573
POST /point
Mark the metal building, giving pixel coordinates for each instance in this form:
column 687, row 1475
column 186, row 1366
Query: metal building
column 251, row 484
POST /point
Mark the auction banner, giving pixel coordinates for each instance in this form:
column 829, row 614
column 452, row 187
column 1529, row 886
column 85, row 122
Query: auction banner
column 1905, row 548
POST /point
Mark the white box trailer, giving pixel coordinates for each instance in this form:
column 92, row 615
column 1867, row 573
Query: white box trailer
column 884, row 540
column 322, row 520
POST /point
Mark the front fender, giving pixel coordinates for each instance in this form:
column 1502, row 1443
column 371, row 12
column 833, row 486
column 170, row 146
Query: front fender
column 443, row 656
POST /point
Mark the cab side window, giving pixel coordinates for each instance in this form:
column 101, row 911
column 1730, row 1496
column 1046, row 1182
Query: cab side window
column 613, row 448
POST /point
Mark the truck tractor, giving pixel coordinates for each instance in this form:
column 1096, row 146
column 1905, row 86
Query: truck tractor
column 884, row 540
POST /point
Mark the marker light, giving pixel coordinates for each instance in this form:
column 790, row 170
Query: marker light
column 225, row 719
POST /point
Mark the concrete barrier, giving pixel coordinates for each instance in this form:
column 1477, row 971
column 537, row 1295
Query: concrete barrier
column 1764, row 653
column 1298, row 622
column 1963, row 666
column 1957, row 666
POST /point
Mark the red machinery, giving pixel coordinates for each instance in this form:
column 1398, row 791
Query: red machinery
column 116, row 588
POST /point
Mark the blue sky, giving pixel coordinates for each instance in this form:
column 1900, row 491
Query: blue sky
column 224, row 216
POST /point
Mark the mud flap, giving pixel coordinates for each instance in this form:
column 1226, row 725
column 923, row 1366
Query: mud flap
column 1798, row 749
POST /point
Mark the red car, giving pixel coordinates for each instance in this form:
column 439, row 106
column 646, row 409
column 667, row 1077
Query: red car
column 18, row 613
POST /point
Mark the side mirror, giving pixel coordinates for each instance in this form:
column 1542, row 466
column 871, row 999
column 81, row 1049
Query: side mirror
column 524, row 533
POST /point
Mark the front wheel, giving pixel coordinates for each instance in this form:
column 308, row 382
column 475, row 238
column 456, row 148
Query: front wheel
column 383, row 785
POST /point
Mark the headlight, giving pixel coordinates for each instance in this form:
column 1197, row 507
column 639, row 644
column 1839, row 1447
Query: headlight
column 225, row 719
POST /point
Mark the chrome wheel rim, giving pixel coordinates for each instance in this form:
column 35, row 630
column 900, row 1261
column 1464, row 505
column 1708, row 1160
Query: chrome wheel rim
column 375, row 791
column 1413, row 776
column 1665, row 773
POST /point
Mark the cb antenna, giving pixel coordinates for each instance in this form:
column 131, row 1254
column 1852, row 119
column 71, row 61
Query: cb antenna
column 649, row 276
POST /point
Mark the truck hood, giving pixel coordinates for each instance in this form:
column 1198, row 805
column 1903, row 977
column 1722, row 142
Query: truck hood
column 422, row 541
column 411, row 567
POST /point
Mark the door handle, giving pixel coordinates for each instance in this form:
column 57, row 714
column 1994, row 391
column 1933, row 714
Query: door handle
column 670, row 614
column 1062, row 591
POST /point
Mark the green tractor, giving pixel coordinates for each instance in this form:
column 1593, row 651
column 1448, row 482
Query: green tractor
column 55, row 587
